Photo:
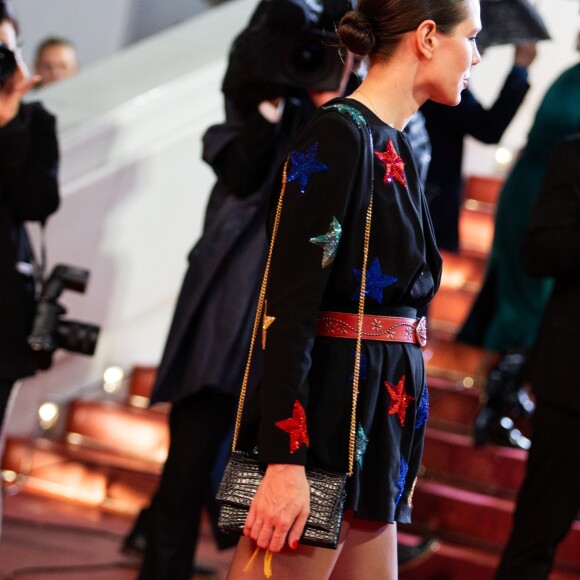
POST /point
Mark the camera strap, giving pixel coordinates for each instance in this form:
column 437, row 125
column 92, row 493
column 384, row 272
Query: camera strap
column 29, row 264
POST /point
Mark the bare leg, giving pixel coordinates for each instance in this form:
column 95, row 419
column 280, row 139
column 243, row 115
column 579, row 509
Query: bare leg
column 369, row 551
column 366, row 550
column 305, row 563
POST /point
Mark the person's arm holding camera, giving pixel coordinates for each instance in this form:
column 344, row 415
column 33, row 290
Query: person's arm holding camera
column 13, row 90
column 29, row 164
column 242, row 150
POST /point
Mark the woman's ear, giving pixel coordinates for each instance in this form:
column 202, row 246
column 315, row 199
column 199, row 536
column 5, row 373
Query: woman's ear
column 426, row 36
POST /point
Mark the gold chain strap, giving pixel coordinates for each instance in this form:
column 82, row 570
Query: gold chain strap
column 260, row 310
column 357, row 356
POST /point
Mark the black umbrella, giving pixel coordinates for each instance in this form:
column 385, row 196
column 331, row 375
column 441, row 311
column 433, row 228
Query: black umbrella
column 510, row 22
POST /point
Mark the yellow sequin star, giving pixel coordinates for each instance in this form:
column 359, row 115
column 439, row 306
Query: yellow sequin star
column 266, row 323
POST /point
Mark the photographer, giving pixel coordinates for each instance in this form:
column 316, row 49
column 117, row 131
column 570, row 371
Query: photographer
column 28, row 192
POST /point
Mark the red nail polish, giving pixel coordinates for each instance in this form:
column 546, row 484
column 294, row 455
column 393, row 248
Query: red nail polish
column 294, row 544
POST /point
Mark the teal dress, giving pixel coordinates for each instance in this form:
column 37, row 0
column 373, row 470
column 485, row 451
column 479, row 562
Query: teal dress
column 507, row 311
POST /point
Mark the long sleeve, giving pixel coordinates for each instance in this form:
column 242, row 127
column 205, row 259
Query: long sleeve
column 551, row 245
column 320, row 187
column 29, row 164
column 488, row 125
column 243, row 150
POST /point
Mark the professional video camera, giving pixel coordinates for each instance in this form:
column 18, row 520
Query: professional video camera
column 287, row 45
column 7, row 63
column 49, row 332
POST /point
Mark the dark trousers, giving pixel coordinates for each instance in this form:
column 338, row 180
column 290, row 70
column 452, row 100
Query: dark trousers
column 549, row 499
column 198, row 426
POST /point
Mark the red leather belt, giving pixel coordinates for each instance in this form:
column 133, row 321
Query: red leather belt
column 386, row 328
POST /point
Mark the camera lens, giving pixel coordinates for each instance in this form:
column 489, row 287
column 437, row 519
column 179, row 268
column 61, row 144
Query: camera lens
column 77, row 336
column 309, row 61
column 7, row 63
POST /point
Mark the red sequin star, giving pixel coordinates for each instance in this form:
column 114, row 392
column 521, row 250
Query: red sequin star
column 296, row 427
column 394, row 165
column 399, row 399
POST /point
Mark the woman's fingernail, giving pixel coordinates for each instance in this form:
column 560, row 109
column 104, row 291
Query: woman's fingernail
column 294, row 544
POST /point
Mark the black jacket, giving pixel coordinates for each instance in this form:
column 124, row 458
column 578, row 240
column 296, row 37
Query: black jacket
column 552, row 248
column 209, row 336
column 28, row 192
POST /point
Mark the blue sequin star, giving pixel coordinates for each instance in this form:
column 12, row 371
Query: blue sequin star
column 304, row 164
column 422, row 409
column 362, row 371
column 360, row 445
column 329, row 242
column 376, row 282
column 402, row 477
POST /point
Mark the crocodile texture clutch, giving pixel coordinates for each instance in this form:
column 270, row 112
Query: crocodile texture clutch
column 240, row 482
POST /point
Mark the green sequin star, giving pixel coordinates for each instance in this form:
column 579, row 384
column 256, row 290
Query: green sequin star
column 355, row 114
column 360, row 445
column 329, row 242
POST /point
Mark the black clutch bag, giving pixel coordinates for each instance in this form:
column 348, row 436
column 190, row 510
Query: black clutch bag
column 240, row 482
column 243, row 474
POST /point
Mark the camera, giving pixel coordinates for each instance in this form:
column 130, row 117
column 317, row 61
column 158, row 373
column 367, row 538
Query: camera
column 7, row 63
column 49, row 331
column 287, row 45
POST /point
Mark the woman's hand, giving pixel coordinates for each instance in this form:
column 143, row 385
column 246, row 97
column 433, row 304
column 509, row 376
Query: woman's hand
column 12, row 91
column 280, row 508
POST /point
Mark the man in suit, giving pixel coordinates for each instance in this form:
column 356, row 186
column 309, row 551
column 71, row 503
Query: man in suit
column 549, row 499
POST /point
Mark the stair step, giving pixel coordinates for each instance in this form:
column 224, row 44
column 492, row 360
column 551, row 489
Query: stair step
column 453, row 561
column 453, row 458
column 43, row 470
column 461, row 271
column 141, row 384
column 126, row 431
column 476, row 232
column 454, row 362
column 483, row 189
column 449, row 309
column 451, row 513
column 452, row 406
column 461, row 279
column 58, row 470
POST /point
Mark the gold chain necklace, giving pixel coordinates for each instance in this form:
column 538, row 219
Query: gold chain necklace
column 367, row 98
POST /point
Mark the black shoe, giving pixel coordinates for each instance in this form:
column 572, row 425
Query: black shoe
column 203, row 572
column 495, row 430
column 410, row 557
column 135, row 543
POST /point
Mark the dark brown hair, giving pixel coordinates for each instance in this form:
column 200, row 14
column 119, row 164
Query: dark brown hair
column 7, row 13
column 375, row 27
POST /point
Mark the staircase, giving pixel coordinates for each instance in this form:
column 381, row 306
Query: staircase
column 110, row 453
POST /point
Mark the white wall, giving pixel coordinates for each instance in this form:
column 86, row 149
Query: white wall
column 563, row 22
column 134, row 187
column 100, row 28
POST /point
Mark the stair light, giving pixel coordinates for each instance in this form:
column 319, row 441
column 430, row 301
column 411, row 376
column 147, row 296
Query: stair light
column 48, row 414
column 503, row 158
column 113, row 378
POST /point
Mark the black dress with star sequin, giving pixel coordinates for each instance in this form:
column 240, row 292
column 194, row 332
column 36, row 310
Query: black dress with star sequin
column 316, row 266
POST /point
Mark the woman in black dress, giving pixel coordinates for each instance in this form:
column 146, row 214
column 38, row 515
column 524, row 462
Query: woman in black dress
column 416, row 51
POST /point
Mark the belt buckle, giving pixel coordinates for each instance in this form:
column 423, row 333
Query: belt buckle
column 421, row 331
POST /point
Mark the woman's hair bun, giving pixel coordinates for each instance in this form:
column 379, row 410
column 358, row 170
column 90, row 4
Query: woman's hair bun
column 356, row 33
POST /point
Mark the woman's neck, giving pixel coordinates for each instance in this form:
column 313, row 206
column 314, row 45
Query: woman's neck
column 387, row 91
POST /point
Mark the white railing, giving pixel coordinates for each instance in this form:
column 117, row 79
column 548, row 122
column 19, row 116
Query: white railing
column 134, row 190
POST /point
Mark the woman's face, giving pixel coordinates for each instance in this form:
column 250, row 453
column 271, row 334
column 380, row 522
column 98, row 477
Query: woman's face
column 455, row 55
